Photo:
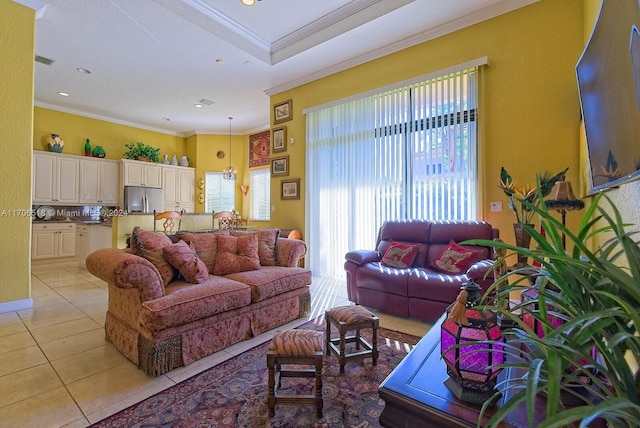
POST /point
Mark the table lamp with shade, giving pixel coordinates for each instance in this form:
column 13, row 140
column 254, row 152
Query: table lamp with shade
column 562, row 200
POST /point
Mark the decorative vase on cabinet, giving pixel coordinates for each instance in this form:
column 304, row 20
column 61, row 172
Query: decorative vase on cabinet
column 184, row 161
column 55, row 143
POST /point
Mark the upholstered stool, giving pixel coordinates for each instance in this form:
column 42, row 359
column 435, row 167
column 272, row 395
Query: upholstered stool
column 349, row 318
column 295, row 347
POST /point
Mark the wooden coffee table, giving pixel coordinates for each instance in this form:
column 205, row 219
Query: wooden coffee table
column 415, row 394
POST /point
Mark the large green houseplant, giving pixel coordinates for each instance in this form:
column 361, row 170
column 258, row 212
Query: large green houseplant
column 593, row 355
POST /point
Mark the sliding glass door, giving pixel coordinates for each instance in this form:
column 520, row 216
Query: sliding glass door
column 406, row 152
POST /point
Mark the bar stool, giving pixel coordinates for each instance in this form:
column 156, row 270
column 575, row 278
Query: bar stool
column 349, row 318
column 295, row 347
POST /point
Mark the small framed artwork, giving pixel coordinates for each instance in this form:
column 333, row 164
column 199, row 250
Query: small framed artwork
column 280, row 166
column 290, row 189
column 279, row 138
column 282, row 112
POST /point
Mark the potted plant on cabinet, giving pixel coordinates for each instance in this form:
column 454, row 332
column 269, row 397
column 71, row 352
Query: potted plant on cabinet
column 591, row 356
column 141, row 151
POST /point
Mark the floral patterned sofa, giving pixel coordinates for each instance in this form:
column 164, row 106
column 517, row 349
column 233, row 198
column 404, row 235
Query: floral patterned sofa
column 176, row 299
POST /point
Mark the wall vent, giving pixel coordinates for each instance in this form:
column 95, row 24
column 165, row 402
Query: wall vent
column 43, row 60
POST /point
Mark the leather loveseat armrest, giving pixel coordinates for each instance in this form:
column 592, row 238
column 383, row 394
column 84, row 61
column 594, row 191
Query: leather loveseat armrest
column 355, row 259
column 290, row 251
column 126, row 270
column 361, row 257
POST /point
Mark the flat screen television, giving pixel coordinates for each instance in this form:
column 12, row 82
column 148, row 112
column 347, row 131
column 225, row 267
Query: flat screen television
column 608, row 74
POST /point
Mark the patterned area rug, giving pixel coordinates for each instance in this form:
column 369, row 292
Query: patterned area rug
column 234, row 393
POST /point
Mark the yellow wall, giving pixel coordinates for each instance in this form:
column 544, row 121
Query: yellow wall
column 112, row 137
column 206, row 148
column 530, row 114
column 16, row 109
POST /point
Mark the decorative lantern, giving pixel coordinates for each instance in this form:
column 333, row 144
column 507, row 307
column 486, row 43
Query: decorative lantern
column 471, row 365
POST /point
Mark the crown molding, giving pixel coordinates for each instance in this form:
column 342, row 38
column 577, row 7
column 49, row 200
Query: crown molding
column 107, row 119
column 450, row 27
column 33, row 4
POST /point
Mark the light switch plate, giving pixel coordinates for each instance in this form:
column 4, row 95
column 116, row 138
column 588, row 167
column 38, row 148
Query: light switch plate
column 496, row 207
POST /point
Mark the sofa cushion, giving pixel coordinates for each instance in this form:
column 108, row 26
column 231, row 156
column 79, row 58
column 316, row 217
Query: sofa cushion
column 267, row 242
column 376, row 276
column 150, row 245
column 236, row 254
column 400, row 254
column 455, row 259
column 183, row 257
column 184, row 302
column 269, row 281
column 427, row 284
column 206, row 244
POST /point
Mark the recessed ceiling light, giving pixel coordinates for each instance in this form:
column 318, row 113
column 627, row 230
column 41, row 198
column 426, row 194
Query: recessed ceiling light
column 219, row 61
column 197, row 105
column 63, row 94
column 83, row 70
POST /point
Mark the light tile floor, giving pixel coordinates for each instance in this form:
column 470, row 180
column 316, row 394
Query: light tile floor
column 57, row 370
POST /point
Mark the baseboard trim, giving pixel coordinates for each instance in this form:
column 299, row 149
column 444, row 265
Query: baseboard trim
column 16, row 305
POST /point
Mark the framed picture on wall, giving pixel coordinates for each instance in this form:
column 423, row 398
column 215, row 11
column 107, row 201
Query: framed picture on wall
column 290, row 189
column 279, row 138
column 280, row 166
column 282, row 112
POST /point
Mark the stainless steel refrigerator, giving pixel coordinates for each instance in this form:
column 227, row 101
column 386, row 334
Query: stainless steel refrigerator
column 143, row 199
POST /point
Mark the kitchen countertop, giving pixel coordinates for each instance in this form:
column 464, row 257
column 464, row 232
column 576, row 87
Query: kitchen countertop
column 88, row 222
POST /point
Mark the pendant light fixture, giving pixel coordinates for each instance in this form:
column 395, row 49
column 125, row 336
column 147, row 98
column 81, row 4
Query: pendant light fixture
column 230, row 173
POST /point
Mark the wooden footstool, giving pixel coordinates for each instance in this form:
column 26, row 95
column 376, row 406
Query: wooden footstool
column 349, row 318
column 295, row 347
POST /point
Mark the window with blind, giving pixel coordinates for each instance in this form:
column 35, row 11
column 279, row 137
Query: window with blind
column 260, row 192
column 405, row 152
column 220, row 194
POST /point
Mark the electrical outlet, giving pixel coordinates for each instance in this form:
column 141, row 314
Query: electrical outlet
column 273, row 208
column 496, row 207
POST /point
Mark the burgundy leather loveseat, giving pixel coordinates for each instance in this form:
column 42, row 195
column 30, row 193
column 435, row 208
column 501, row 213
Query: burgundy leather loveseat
column 420, row 290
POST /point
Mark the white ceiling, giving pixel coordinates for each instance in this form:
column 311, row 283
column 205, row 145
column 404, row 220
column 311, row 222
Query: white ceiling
column 152, row 60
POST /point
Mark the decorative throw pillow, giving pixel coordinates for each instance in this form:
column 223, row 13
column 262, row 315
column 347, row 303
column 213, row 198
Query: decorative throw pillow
column 150, row 246
column 183, row 257
column 267, row 242
column 206, row 245
column 237, row 254
column 400, row 254
column 455, row 259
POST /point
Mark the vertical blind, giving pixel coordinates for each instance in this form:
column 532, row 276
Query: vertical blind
column 407, row 152
column 220, row 194
column 260, row 193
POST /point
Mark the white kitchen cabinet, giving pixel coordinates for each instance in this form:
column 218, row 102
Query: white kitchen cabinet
column 49, row 240
column 55, row 178
column 99, row 181
column 91, row 237
column 178, row 184
column 138, row 173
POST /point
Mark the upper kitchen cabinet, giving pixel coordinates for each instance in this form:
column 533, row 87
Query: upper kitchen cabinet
column 138, row 173
column 55, row 178
column 99, row 181
column 178, row 185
